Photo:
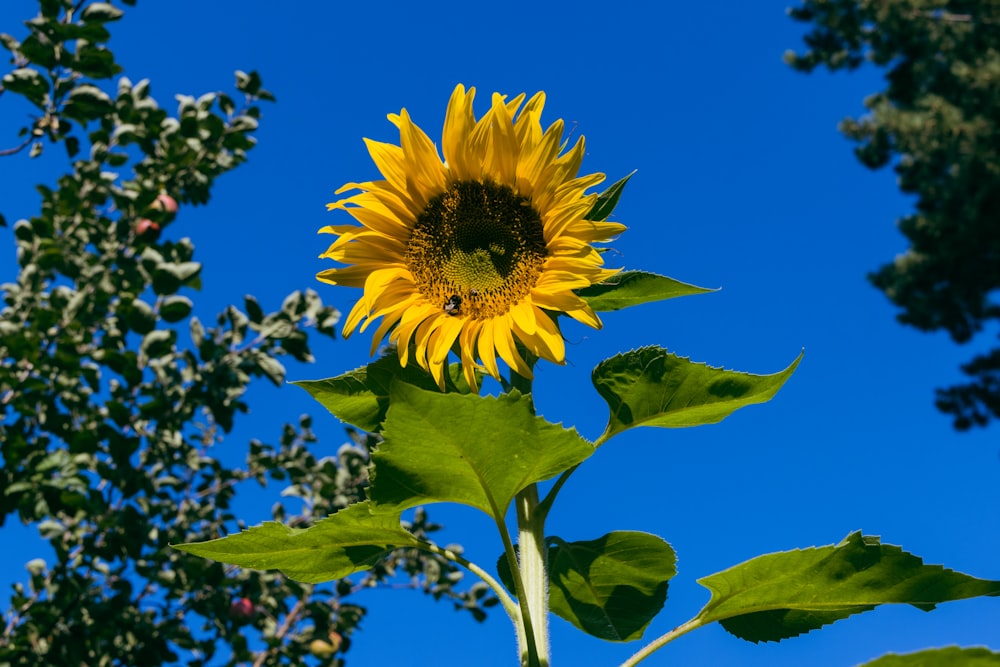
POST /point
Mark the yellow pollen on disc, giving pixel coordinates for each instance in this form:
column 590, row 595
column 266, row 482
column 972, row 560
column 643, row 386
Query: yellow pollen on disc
column 476, row 249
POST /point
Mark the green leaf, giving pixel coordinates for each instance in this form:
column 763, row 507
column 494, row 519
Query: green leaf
column 96, row 62
column 8, row 42
column 611, row 587
column 781, row 595
column 157, row 343
column 28, row 82
column 140, row 317
column 254, row 311
column 168, row 277
column 175, row 308
column 652, row 387
column 474, row 450
column 86, row 102
column 949, row 656
column 271, row 368
column 607, row 200
column 352, row 540
column 101, row 12
column 631, row 288
column 361, row 397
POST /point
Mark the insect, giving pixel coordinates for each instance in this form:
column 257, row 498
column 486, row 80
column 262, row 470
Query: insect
column 453, row 305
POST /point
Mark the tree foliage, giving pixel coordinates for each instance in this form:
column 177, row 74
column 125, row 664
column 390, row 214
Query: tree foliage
column 938, row 122
column 115, row 397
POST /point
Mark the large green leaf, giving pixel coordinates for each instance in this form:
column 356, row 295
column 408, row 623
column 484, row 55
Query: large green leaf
column 611, row 587
column 950, row 656
column 780, row 595
column 632, row 288
column 475, row 450
column 349, row 541
column 361, row 397
column 652, row 387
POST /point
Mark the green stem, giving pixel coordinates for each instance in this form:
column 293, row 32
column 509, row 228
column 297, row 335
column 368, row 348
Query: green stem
column 534, row 566
column 533, row 554
column 525, row 630
column 506, row 601
column 550, row 497
column 662, row 641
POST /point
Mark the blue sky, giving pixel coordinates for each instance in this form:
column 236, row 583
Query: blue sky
column 743, row 183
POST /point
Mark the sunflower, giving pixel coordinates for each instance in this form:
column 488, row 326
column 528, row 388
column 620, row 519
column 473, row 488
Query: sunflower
column 483, row 249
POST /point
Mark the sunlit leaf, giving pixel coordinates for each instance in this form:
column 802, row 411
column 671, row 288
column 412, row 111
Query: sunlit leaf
column 781, row 595
column 352, row 540
column 361, row 397
column 101, row 12
column 475, row 450
column 950, row 656
column 652, row 387
column 631, row 288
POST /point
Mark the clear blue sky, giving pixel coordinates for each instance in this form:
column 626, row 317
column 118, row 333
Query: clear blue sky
column 743, row 182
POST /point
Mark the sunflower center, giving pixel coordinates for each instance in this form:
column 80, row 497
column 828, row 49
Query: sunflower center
column 476, row 249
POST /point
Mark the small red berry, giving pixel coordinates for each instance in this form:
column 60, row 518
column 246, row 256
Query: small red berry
column 147, row 230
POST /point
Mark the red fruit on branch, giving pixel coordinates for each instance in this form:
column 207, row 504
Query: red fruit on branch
column 147, row 230
column 165, row 203
column 242, row 610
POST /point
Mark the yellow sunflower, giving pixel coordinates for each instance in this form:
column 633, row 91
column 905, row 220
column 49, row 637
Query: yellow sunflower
column 483, row 248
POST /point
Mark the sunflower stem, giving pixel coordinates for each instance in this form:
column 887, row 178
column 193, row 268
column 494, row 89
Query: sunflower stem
column 522, row 623
column 532, row 552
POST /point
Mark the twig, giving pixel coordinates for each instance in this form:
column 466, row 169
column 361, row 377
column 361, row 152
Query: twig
column 16, row 149
column 290, row 619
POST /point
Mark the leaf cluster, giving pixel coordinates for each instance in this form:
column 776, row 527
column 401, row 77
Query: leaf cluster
column 115, row 396
column 938, row 123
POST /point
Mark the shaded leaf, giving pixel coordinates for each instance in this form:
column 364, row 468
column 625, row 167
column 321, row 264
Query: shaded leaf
column 157, row 343
column 86, row 102
column 254, row 311
column 631, row 288
column 175, row 308
column 652, row 387
column 781, row 595
column 28, row 82
column 611, row 587
column 474, row 450
column 168, row 277
column 949, row 656
column 607, row 200
column 352, row 540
